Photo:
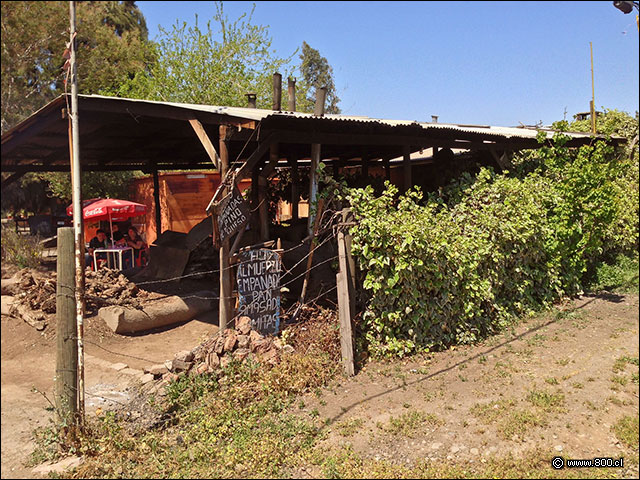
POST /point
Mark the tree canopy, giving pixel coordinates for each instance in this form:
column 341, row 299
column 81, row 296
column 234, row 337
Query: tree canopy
column 216, row 65
column 112, row 40
column 112, row 46
column 317, row 73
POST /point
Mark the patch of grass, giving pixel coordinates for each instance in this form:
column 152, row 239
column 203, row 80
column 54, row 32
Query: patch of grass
column 519, row 422
column 563, row 362
column 626, row 430
column 545, row 400
column 343, row 462
column 492, row 411
column 536, row 340
column 409, row 423
column 622, row 362
column 620, row 379
column 348, row 428
column 551, row 381
column 237, row 422
column 577, row 385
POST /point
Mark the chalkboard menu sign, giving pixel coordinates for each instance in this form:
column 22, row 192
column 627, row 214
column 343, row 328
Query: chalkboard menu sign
column 258, row 281
column 232, row 215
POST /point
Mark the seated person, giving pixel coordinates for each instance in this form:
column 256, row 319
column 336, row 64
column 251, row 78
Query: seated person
column 139, row 247
column 99, row 241
column 119, row 240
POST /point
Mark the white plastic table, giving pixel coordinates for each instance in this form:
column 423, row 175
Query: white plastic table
column 113, row 250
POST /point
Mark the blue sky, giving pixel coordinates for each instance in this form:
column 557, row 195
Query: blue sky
column 492, row 63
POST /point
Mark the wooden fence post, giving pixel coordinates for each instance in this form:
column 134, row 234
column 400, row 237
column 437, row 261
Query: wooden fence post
column 344, row 308
column 66, row 381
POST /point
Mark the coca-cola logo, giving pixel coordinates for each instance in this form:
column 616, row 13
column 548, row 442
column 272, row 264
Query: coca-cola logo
column 95, row 211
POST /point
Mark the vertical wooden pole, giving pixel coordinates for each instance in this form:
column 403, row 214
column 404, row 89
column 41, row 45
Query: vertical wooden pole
column 156, row 201
column 66, row 330
column 277, row 91
column 295, row 191
column 387, row 169
column 321, row 94
column 347, row 218
column 365, row 166
column 291, row 91
column 263, row 210
column 225, row 314
column 76, row 180
column 313, row 184
column 344, row 309
column 406, row 168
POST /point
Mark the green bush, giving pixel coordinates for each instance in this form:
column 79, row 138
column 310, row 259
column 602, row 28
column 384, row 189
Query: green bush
column 21, row 250
column 455, row 267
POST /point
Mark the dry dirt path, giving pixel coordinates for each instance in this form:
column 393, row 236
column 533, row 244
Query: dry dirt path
column 555, row 385
column 29, row 358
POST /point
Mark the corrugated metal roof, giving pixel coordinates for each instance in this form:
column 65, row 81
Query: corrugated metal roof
column 258, row 114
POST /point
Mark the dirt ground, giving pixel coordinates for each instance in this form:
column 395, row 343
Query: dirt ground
column 473, row 403
column 554, row 383
column 28, row 364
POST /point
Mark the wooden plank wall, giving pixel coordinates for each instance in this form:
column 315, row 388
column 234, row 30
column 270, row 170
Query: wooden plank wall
column 183, row 200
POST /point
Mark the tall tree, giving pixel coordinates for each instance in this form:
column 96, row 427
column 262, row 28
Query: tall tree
column 112, row 40
column 216, row 65
column 112, row 47
column 317, row 73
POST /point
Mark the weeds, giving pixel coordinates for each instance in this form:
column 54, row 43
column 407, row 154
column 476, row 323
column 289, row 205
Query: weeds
column 409, row 423
column 626, row 429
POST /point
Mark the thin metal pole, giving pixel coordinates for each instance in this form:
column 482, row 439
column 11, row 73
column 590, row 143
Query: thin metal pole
column 593, row 96
column 77, row 212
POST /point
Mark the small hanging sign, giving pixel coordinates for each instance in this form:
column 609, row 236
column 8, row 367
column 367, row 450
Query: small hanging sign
column 258, row 279
column 232, row 214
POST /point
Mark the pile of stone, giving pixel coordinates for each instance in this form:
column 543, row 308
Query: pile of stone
column 240, row 344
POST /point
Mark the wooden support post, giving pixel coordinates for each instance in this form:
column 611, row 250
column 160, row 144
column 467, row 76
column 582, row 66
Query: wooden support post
column 66, row 384
column 206, row 142
column 156, row 199
column 295, row 191
column 255, row 202
column 387, row 169
column 263, row 211
column 313, row 184
column 225, row 313
column 406, row 168
column 344, row 309
column 291, row 91
column 348, row 219
column 336, row 168
column 365, row 166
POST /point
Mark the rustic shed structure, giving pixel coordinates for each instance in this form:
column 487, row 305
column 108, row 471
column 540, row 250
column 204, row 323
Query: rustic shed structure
column 126, row 134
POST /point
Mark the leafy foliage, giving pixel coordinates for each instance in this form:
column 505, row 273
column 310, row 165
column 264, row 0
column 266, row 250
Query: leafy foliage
column 317, row 73
column 215, row 66
column 457, row 266
column 111, row 47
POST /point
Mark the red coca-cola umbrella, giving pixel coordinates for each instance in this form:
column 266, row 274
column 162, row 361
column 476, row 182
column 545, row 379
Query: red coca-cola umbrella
column 111, row 209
